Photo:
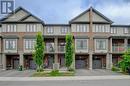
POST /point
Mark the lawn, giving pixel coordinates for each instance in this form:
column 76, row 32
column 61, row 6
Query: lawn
column 53, row 74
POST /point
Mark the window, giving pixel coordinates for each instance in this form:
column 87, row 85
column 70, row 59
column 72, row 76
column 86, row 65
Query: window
column 82, row 28
column 81, row 44
column 31, row 28
column 64, row 29
column 126, row 30
column 50, row 30
column 11, row 28
column 29, row 44
column 100, row 44
column 10, row 44
column 113, row 30
column 100, row 28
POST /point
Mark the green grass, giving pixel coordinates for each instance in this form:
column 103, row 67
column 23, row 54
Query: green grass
column 52, row 74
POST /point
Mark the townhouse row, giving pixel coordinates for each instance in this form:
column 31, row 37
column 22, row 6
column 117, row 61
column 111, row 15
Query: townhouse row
column 98, row 43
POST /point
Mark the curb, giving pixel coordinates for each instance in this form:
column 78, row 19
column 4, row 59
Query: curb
column 64, row 78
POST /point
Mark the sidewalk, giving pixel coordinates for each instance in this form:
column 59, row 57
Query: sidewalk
column 64, row 78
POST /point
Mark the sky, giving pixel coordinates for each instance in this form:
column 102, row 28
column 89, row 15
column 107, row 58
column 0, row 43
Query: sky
column 62, row 11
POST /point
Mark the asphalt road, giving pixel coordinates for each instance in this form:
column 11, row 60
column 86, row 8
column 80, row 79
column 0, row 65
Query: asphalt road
column 118, row 82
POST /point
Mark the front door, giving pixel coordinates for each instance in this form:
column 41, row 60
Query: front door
column 15, row 63
column 97, row 64
column 50, row 61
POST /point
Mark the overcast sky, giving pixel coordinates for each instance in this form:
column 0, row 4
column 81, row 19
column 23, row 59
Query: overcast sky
column 61, row 11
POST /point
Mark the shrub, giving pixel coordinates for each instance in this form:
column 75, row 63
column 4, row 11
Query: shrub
column 54, row 73
column 71, row 69
column 115, row 68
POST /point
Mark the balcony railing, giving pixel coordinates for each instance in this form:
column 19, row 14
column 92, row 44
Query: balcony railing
column 118, row 49
column 61, row 48
column 49, row 49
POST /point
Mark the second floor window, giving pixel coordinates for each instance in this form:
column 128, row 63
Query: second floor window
column 64, row 30
column 31, row 28
column 50, row 30
column 100, row 44
column 113, row 30
column 10, row 44
column 81, row 44
column 29, row 44
column 11, row 28
column 101, row 28
column 82, row 28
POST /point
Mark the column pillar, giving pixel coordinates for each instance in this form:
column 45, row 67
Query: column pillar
column 108, row 61
column 126, row 44
column 4, row 61
column 21, row 59
column 56, row 49
column 90, row 61
column 56, row 63
column 111, row 45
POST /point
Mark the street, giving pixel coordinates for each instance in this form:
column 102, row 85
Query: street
column 112, row 82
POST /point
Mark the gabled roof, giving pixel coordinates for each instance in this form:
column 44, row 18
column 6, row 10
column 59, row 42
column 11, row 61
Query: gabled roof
column 21, row 20
column 93, row 10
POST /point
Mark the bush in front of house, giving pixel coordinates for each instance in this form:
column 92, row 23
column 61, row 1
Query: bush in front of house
column 124, row 64
column 54, row 73
column 114, row 68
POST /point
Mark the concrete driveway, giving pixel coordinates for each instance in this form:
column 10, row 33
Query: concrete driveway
column 16, row 73
column 95, row 72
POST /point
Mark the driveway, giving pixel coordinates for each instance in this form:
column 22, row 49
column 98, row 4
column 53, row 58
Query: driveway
column 95, row 72
column 16, row 73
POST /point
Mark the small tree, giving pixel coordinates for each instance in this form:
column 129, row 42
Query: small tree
column 69, row 51
column 124, row 64
column 38, row 55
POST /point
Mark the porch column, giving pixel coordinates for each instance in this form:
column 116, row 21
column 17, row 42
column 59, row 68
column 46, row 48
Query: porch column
column 126, row 44
column 4, row 61
column 108, row 61
column 21, row 59
column 90, row 61
column 111, row 45
column 56, row 64
column 56, row 49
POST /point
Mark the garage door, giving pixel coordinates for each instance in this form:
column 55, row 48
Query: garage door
column 80, row 64
column 97, row 64
column 32, row 65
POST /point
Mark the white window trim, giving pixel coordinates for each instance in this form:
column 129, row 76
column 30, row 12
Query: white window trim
column 5, row 40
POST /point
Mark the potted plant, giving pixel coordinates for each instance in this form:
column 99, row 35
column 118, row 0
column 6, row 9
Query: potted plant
column 20, row 68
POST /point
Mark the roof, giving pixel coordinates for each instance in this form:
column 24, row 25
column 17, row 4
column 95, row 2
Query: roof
column 94, row 10
column 18, row 9
column 120, row 25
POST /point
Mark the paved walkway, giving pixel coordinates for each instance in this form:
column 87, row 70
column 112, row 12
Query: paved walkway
column 95, row 72
column 16, row 73
column 81, row 72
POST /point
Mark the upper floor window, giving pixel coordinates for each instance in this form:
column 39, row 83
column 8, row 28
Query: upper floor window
column 100, row 44
column 31, row 28
column 50, row 30
column 113, row 30
column 81, row 44
column 64, row 30
column 29, row 44
column 11, row 28
column 100, row 28
column 82, row 28
column 10, row 44
column 126, row 30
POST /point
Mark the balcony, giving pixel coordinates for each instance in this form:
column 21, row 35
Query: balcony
column 61, row 48
column 118, row 49
column 49, row 49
